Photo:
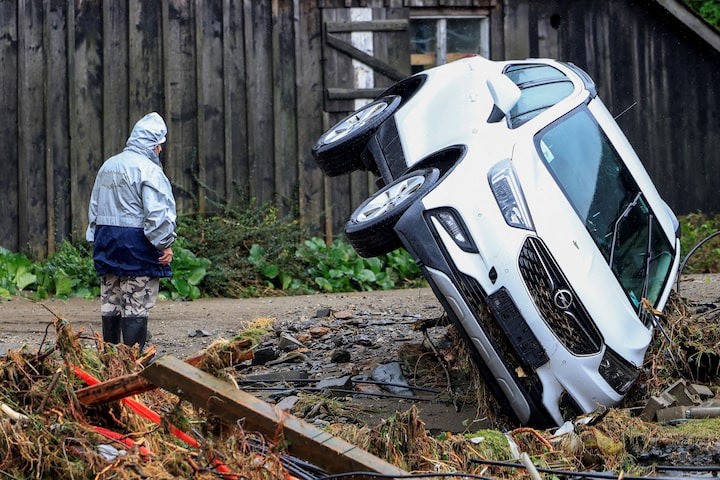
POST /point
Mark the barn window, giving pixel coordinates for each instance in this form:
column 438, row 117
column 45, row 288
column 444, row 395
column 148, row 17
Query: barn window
column 438, row 40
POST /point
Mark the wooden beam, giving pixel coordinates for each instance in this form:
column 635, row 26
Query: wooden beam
column 353, row 93
column 693, row 21
column 302, row 439
column 368, row 26
column 376, row 64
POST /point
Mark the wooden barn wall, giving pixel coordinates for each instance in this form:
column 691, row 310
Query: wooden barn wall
column 649, row 66
column 237, row 81
column 241, row 84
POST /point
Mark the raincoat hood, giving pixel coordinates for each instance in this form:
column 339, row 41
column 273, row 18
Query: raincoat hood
column 148, row 133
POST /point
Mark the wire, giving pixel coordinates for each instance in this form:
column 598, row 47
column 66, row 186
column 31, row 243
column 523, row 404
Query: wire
column 353, row 379
column 351, row 392
column 688, row 468
column 563, row 472
column 690, row 253
column 410, row 475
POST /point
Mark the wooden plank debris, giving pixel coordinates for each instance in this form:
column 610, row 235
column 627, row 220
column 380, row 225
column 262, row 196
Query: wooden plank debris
column 224, row 400
column 134, row 384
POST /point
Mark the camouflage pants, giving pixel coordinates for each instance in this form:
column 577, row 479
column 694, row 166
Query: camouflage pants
column 128, row 296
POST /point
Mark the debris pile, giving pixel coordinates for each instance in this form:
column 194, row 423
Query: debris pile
column 80, row 408
column 48, row 433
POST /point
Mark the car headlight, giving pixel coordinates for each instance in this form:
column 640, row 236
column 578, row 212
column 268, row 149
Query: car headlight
column 509, row 196
column 455, row 227
column 618, row 372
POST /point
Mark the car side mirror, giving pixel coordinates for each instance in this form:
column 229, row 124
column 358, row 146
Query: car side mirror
column 505, row 95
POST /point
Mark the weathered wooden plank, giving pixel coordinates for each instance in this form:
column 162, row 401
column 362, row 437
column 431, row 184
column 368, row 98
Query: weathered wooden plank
column 335, row 93
column 211, row 100
column 392, row 46
column 85, row 72
column 144, row 59
column 378, row 65
column 258, row 74
column 400, row 25
column 32, row 201
column 56, row 120
column 9, row 127
column 236, row 122
column 309, row 73
column 116, row 118
column 516, row 38
column 339, row 71
column 302, row 439
column 284, row 106
column 181, row 150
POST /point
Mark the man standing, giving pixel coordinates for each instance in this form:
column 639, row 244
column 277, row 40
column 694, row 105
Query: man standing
column 132, row 227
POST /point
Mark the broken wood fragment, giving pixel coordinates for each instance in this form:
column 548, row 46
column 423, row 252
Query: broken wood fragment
column 302, row 439
column 134, row 384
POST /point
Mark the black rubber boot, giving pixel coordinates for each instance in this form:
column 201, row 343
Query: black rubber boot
column 111, row 328
column 134, row 330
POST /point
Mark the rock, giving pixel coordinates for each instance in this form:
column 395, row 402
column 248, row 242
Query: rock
column 282, row 394
column 323, row 313
column 343, row 314
column 343, row 383
column 304, row 338
column 363, row 340
column 319, row 331
column 264, row 355
column 340, row 356
column 292, row 357
column 288, row 342
column 198, row 333
column 391, row 376
column 288, row 403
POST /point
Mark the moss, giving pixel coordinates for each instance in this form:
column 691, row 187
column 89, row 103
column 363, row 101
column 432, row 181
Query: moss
column 491, row 444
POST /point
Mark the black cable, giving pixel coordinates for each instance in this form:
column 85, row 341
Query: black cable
column 409, row 475
column 687, row 257
column 349, row 392
column 688, row 468
column 314, row 380
column 563, row 472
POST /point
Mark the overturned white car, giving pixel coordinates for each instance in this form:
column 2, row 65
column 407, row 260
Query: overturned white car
column 531, row 216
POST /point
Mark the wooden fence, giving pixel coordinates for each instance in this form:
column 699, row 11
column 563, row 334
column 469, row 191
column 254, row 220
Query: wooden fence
column 76, row 75
column 244, row 84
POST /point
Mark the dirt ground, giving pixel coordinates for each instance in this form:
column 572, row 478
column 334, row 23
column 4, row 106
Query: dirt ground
column 371, row 326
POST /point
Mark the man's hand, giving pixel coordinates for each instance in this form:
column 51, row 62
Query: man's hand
column 167, row 256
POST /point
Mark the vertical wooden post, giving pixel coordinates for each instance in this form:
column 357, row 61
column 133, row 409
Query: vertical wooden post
column 199, row 89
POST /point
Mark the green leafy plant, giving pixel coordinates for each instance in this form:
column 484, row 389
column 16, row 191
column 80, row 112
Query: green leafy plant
column 707, row 9
column 188, row 272
column 338, row 268
column 70, row 272
column 15, row 273
column 695, row 228
column 67, row 273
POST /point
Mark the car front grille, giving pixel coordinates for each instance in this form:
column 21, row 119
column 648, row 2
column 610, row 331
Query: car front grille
column 557, row 302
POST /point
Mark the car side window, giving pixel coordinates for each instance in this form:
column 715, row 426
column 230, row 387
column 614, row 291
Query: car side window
column 541, row 87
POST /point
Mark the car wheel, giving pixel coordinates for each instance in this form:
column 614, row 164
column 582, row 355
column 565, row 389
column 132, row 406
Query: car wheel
column 370, row 228
column 338, row 150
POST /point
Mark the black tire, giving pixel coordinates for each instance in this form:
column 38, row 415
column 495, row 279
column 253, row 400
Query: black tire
column 370, row 229
column 338, row 150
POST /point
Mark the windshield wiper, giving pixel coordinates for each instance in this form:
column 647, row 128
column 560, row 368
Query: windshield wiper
column 619, row 219
column 648, row 260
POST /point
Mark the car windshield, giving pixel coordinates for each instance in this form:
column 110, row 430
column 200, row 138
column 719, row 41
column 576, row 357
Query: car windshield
column 608, row 200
